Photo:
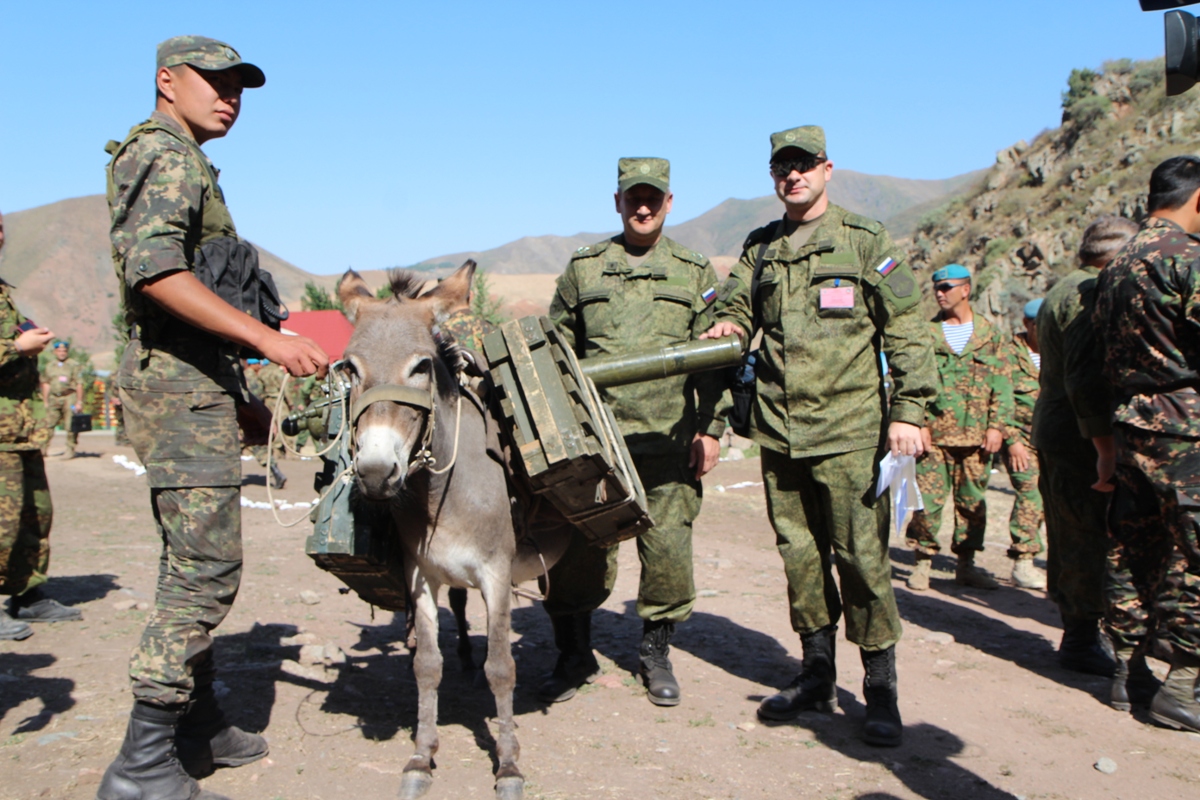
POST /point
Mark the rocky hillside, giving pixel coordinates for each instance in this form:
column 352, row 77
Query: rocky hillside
column 1020, row 229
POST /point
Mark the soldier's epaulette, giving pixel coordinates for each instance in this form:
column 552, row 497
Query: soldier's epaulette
column 684, row 254
column 759, row 235
column 591, row 250
column 865, row 223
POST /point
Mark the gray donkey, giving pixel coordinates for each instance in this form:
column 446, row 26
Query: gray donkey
column 421, row 443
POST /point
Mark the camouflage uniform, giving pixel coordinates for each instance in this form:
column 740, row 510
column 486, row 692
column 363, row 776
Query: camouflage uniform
column 974, row 394
column 1147, row 307
column 64, row 379
column 1072, row 407
column 467, row 328
column 179, row 387
column 604, row 307
column 1025, row 520
column 25, row 509
column 254, row 385
column 821, row 411
column 112, row 396
column 271, row 375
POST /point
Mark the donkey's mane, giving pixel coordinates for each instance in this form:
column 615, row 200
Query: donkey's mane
column 405, row 283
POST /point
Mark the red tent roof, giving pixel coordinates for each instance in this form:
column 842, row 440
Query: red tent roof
column 330, row 329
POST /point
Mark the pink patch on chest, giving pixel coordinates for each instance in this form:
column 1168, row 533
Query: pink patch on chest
column 838, row 297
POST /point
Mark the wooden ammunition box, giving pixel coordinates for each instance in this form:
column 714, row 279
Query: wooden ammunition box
column 569, row 445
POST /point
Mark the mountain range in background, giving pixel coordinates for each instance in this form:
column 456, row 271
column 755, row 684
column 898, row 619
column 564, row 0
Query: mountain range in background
column 58, row 255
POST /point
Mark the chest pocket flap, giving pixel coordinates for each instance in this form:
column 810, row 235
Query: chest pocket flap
column 595, row 296
column 677, row 294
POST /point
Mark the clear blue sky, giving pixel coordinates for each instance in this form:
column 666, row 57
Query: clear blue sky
column 389, row 133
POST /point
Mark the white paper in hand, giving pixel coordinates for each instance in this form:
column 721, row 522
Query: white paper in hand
column 899, row 473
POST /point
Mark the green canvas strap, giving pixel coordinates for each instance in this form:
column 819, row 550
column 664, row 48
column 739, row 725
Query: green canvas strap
column 405, row 395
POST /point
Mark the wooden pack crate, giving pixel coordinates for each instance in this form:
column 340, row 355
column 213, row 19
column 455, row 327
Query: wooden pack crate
column 569, row 445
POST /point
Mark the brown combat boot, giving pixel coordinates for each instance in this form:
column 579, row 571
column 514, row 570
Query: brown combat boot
column 1025, row 575
column 1175, row 704
column 918, row 579
column 967, row 574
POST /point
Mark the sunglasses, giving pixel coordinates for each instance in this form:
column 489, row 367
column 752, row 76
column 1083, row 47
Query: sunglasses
column 946, row 287
column 784, row 166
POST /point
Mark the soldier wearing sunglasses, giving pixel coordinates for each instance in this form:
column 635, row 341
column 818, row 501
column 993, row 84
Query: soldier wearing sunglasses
column 966, row 428
column 830, row 292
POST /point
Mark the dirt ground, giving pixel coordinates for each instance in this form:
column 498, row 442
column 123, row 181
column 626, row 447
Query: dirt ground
column 988, row 712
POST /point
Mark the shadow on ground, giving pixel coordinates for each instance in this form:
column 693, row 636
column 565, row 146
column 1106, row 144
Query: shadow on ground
column 926, row 763
column 75, row 589
column 18, row 684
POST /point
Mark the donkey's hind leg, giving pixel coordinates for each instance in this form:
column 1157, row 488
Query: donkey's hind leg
column 458, row 604
column 501, row 673
column 427, row 664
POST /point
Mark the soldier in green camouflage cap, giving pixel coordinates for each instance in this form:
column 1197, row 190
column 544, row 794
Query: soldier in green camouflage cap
column 62, row 392
column 829, row 291
column 25, row 509
column 181, row 386
column 635, row 291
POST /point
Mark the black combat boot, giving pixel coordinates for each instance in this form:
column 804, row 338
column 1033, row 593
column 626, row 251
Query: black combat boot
column 661, row 687
column 576, row 664
column 1084, row 648
column 1175, row 705
column 1133, row 683
column 815, row 688
column 882, row 727
column 205, row 740
column 35, row 606
column 147, row 766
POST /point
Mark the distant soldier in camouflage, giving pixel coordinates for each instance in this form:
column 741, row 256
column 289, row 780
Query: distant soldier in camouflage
column 182, row 388
column 833, row 292
column 271, row 375
column 967, row 426
column 252, row 369
column 634, row 291
column 25, row 509
column 1148, row 319
column 1074, row 405
column 1020, row 459
column 62, row 392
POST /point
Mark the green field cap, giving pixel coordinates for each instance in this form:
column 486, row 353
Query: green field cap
column 202, row 52
column 810, row 138
column 654, row 172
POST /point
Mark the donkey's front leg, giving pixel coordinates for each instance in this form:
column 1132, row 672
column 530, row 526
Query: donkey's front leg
column 427, row 664
column 501, row 673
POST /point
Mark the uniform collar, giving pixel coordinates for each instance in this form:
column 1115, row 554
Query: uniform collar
column 822, row 238
column 619, row 261
column 980, row 334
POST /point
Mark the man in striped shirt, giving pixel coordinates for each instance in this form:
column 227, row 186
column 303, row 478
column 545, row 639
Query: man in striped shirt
column 966, row 428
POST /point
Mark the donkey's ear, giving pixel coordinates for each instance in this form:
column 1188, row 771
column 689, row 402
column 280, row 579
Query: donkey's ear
column 353, row 291
column 452, row 293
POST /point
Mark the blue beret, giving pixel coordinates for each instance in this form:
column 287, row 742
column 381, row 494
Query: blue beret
column 952, row 272
column 1032, row 308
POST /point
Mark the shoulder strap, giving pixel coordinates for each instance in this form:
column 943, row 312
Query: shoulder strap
column 755, row 304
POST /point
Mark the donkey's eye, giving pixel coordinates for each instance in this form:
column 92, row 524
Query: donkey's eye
column 423, row 367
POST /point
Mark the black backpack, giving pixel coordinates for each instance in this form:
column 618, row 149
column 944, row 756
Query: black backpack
column 230, row 268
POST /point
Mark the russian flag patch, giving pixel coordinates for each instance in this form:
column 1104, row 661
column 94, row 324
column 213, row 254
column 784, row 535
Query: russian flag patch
column 709, row 295
column 887, row 266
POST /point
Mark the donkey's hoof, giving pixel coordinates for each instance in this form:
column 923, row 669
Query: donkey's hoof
column 415, row 783
column 512, row 788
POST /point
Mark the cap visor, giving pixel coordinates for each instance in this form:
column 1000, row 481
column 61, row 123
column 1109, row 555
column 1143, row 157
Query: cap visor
column 252, row 76
column 790, row 146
